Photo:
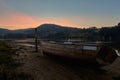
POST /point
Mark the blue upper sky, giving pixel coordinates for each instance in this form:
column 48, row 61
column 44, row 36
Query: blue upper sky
column 75, row 12
column 67, row 7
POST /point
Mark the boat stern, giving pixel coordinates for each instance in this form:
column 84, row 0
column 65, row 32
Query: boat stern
column 106, row 55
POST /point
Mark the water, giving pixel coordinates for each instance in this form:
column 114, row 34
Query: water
column 115, row 45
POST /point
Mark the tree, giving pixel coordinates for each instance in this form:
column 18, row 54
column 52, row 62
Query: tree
column 119, row 24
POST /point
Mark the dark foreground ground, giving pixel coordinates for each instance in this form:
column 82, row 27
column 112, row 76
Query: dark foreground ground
column 42, row 67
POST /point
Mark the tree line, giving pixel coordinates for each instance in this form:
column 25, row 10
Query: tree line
column 55, row 32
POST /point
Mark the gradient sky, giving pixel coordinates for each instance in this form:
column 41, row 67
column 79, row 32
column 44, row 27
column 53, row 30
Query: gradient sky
column 18, row 14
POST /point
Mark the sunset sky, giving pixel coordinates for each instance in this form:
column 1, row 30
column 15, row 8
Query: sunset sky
column 18, row 14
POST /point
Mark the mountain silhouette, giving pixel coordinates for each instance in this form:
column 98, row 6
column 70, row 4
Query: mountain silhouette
column 57, row 32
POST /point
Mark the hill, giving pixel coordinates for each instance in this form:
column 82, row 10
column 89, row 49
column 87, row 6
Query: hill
column 57, row 32
column 4, row 31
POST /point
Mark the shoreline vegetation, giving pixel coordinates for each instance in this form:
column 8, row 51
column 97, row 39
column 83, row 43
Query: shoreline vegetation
column 8, row 65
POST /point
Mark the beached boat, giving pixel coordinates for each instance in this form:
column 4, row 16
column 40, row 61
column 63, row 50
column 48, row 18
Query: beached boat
column 93, row 53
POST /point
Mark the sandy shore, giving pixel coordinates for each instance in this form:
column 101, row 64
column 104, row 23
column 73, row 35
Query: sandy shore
column 42, row 67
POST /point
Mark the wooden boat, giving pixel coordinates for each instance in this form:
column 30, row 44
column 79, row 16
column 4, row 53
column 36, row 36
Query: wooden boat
column 93, row 53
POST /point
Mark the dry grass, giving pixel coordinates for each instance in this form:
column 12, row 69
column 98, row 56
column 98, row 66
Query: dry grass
column 8, row 65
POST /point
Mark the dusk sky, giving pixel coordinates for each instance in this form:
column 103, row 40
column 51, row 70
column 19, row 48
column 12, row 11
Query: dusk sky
column 18, row 14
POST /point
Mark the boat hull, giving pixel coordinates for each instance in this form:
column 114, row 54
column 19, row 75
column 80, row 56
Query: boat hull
column 84, row 52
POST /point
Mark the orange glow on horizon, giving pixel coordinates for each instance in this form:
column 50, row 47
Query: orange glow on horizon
column 21, row 21
column 13, row 18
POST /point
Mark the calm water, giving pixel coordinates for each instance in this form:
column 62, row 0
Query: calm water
column 115, row 45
